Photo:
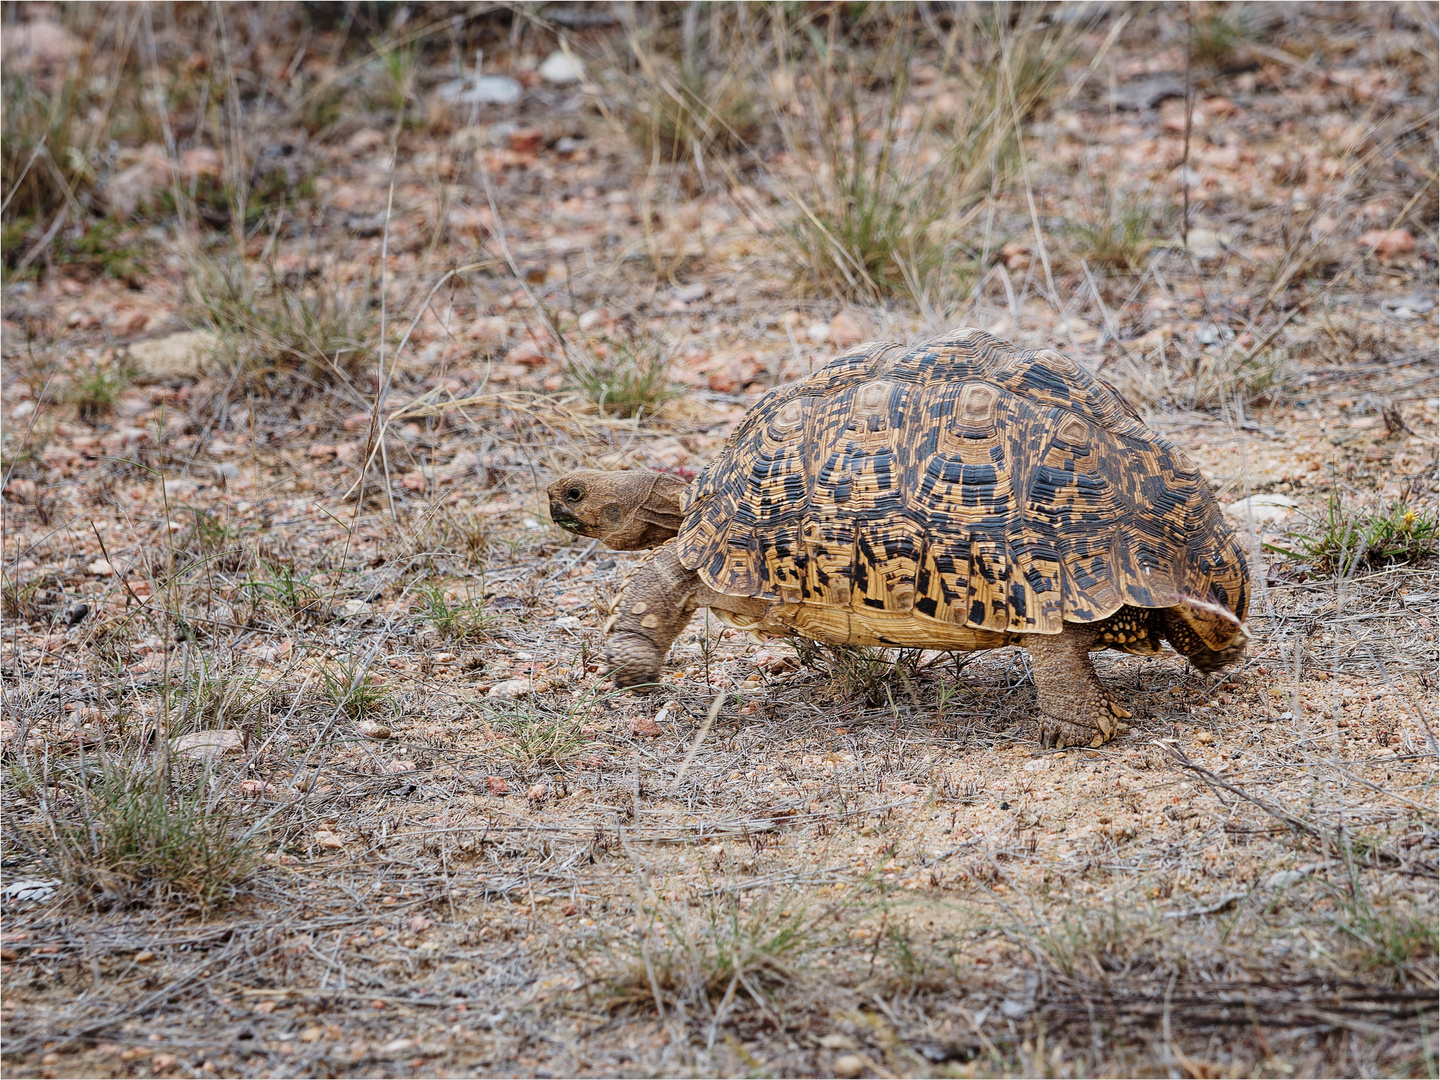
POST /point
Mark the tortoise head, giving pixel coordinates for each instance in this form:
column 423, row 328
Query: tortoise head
column 629, row 510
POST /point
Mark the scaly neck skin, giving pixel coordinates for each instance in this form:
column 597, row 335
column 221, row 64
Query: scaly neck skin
column 661, row 506
column 655, row 499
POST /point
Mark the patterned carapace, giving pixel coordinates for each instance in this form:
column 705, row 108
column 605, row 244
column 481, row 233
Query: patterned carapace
column 958, row 483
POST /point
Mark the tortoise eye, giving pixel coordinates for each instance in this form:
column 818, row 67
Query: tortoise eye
column 574, row 495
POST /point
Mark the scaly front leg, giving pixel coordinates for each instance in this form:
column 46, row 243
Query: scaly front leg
column 1074, row 708
column 652, row 609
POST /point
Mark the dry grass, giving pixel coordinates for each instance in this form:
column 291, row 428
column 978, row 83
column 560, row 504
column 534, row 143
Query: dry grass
column 883, row 194
column 126, row 828
column 440, row 843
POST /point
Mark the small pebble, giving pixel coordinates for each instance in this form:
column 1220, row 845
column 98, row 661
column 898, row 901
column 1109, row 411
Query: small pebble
column 511, row 689
column 561, row 69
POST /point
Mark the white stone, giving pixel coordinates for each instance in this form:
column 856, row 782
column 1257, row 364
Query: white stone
column 492, row 90
column 34, row 889
column 186, row 355
column 1262, row 509
column 510, row 689
column 1206, row 243
column 208, row 744
column 561, row 69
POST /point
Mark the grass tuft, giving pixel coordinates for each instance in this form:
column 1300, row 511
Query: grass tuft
column 1391, row 937
column 348, row 687
column 273, row 332
column 128, row 829
column 623, row 377
column 393, row 74
column 882, row 201
column 459, row 620
column 538, row 735
column 213, row 693
column 48, row 156
column 94, row 393
column 686, row 113
column 1219, row 34
column 1117, row 234
column 1346, row 539
column 699, row 962
column 860, row 673
column 286, row 592
column 1183, row 377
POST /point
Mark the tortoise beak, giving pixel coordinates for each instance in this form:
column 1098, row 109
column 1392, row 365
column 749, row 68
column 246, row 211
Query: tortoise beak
column 564, row 518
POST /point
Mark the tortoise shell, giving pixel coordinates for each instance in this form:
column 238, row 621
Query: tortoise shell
column 953, row 494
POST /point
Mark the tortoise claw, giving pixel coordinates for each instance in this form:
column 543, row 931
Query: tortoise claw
column 1059, row 734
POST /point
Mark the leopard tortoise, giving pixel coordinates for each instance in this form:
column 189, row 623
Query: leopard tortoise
column 959, row 494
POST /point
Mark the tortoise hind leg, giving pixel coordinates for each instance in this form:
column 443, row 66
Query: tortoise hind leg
column 1074, row 708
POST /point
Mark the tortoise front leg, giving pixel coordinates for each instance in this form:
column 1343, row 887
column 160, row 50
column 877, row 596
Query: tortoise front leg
column 648, row 615
column 653, row 607
column 1074, row 708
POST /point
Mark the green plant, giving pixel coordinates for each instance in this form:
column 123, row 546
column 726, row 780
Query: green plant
column 212, row 693
column 882, row 205
column 861, row 673
column 1118, row 233
column 868, row 221
column 323, row 105
column 99, row 247
column 625, row 377
column 59, row 125
column 1219, row 34
column 1394, row 938
column 272, row 331
column 699, row 962
column 93, row 247
column 393, row 75
column 27, row 600
column 129, row 827
column 686, row 113
column 283, row 589
column 215, row 199
column 209, row 538
column 1108, row 939
column 350, row 688
column 1344, row 539
column 47, row 155
column 691, row 96
column 457, row 619
column 95, row 393
column 538, row 734
column 464, row 534
column 1204, row 378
